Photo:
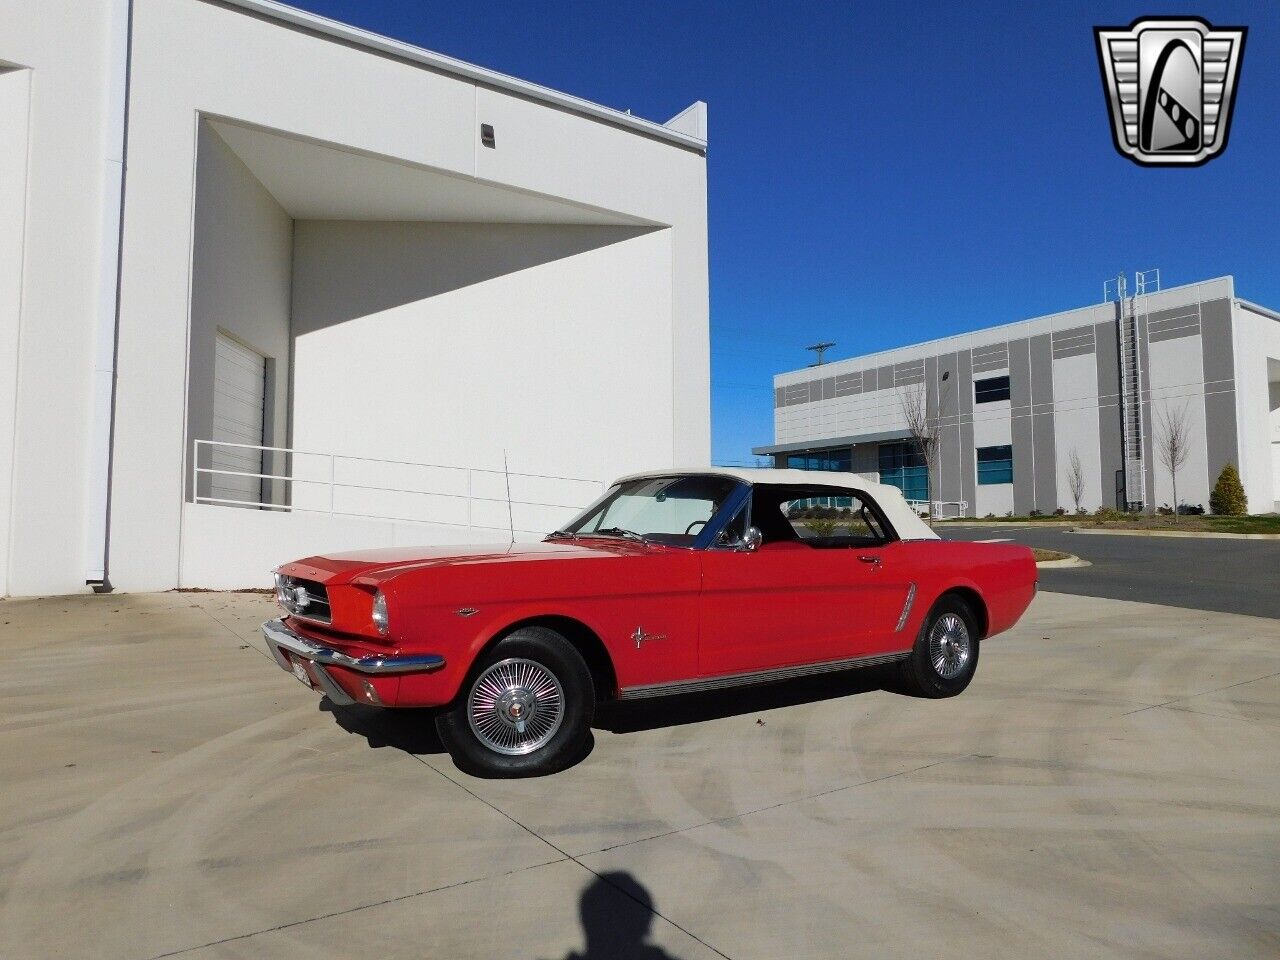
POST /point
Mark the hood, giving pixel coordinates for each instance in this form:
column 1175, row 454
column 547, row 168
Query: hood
column 333, row 568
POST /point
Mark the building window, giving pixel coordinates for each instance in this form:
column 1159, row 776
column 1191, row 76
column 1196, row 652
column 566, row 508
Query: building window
column 995, row 465
column 902, row 465
column 991, row 389
column 839, row 459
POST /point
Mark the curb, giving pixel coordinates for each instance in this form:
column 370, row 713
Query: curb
column 1071, row 560
column 1194, row 534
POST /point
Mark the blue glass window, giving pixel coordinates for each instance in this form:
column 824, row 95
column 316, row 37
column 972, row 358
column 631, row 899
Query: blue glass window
column 995, row 465
column 902, row 465
column 837, row 458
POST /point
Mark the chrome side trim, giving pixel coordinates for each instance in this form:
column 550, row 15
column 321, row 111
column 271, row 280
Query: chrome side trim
column 701, row 684
column 279, row 637
column 906, row 608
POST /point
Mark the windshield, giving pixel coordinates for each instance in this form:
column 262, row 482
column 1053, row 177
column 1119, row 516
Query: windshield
column 670, row 510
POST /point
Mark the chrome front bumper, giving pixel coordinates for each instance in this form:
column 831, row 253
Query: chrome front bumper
column 281, row 639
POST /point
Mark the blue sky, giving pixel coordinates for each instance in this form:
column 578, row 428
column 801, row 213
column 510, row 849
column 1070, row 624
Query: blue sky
column 879, row 177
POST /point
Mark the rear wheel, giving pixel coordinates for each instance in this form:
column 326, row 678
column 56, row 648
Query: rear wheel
column 945, row 654
column 524, row 711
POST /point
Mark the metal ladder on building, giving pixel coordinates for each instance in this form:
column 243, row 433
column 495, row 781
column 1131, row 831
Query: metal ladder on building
column 1131, row 381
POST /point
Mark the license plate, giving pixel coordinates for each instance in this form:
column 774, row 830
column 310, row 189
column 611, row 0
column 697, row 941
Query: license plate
column 300, row 672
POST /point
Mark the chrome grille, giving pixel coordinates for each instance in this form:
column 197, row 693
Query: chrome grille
column 303, row 598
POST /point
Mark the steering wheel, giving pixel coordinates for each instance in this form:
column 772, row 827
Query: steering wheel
column 689, row 528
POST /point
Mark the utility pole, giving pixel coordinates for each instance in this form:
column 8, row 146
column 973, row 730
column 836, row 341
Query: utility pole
column 819, row 349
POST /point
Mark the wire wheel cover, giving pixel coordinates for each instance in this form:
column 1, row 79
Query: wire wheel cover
column 515, row 707
column 949, row 646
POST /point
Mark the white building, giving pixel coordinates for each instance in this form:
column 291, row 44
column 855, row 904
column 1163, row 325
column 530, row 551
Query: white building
column 1016, row 406
column 231, row 221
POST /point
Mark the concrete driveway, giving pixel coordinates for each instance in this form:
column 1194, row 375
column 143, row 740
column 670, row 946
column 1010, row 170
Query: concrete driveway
column 1108, row 787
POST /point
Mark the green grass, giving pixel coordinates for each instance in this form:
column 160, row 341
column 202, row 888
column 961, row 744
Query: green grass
column 1266, row 523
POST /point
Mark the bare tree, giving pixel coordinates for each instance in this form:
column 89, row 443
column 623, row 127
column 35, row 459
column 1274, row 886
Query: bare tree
column 923, row 429
column 1075, row 477
column 1173, row 444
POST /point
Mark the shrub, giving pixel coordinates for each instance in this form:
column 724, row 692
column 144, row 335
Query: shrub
column 1108, row 513
column 822, row 526
column 1060, row 512
column 1035, row 513
column 1081, row 512
column 1227, row 498
column 1164, row 510
column 1187, row 510
column 989, row 516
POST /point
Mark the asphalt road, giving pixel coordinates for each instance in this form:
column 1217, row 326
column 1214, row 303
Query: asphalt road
column 1228, row 576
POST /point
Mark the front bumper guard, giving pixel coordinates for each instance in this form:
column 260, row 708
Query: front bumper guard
column 281, row 638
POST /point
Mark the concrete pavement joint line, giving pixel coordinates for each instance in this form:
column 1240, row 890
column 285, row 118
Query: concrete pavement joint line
column 356, row 909
column 1202, row 693
column 783, row 803
column 568, row 856
column 206, row 612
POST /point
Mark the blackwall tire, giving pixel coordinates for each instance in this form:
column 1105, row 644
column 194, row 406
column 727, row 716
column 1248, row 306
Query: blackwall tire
column 525, row 709
column 945, row 655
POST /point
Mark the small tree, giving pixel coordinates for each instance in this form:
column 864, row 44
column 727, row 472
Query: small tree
column 1173, row 444
column 1228, row 497
column 924, row 431
column 1075, row 477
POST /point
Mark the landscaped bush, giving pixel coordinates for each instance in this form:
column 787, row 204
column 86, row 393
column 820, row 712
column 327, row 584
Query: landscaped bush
column 1227, row 498
column 1108, row 513
column 823, row 527
column 1036, row 513
column 1164, row 510
column 1188, row 510
column 989, row 516
column 1060, row 512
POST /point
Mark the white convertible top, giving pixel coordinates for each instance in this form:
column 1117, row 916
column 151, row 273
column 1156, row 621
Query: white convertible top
column 889, row 498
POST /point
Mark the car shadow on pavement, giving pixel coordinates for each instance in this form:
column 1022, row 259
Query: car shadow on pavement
column 634, row 716
column 413, row 731
column 615, row 931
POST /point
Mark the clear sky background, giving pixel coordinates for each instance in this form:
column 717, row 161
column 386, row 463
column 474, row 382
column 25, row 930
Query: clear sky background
column 885, row 173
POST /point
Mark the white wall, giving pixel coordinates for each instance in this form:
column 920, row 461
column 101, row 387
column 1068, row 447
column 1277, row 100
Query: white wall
column 15, row 88
column 1075, row 427
column 241, row 273
column 1175, row 378
column 1257, row 351
column 552, row 341
column 256, row 72
column 64, row 43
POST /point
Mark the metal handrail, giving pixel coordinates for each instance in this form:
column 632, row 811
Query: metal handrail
column 334, row 485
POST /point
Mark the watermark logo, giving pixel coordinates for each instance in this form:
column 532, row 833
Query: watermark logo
column 1170, row 84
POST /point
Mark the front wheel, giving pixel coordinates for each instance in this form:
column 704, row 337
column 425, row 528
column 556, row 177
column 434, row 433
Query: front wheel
column 945, row 654
column 524, row 711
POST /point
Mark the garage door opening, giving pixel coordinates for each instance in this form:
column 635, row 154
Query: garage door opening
column 239, row 414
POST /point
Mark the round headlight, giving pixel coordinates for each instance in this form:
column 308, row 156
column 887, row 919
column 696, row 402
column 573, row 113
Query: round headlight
column 282, row 591
column 380, row 613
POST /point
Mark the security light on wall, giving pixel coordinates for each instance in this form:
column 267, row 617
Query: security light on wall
column 486, row 135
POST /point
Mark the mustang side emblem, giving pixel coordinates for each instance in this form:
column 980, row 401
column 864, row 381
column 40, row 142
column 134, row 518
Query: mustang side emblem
column 640, row 636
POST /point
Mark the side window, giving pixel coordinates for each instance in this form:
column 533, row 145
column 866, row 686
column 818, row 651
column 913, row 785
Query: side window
column 735, row 530
column 832, row 518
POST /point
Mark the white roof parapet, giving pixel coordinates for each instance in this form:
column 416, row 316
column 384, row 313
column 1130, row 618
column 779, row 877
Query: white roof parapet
column 283, row 13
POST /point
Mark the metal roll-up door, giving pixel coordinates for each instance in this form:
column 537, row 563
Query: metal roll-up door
column 239, row 403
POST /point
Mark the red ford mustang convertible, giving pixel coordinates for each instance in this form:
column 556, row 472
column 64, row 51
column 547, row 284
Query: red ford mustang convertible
column 669, row 583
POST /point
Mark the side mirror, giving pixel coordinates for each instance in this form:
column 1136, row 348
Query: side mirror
column 751, row 540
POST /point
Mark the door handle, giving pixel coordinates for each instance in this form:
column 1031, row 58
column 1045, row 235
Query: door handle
column 869, row 558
